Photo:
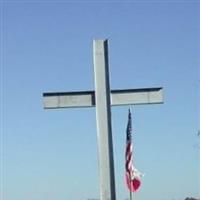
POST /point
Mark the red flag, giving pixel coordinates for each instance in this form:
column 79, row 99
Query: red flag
column 133, row 176
column 133, row 181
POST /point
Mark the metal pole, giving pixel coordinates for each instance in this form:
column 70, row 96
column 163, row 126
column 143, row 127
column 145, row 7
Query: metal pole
column 103, row 117
column 130, row 195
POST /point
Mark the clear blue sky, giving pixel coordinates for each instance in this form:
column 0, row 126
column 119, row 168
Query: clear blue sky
column 46, row 46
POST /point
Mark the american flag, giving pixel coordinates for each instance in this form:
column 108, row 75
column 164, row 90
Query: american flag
column 132, row 174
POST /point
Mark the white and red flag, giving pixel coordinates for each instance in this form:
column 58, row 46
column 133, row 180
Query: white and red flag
column 133, row 176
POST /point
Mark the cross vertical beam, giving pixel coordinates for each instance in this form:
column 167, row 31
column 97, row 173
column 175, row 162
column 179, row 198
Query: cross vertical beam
column 103, row 118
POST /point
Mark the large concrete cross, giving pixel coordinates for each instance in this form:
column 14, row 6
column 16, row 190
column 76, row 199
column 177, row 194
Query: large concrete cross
column 102, row 98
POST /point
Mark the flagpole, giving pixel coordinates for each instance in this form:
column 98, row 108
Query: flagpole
column 130, row 195
column 129, row 110
column 130, row 187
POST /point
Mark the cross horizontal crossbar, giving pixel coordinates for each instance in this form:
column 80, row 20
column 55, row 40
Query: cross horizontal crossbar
column 118, row 97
